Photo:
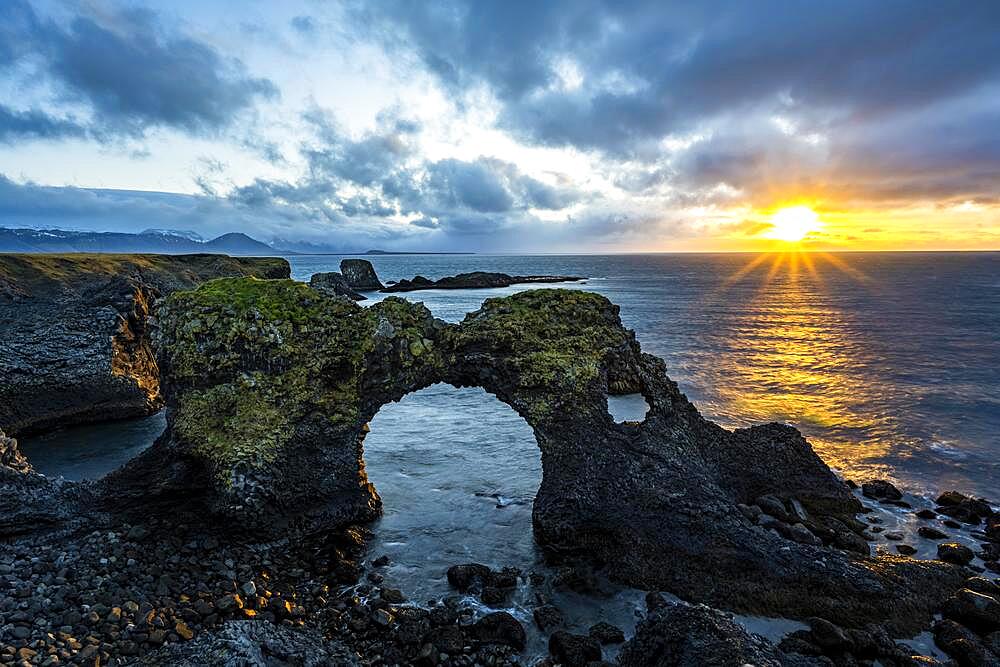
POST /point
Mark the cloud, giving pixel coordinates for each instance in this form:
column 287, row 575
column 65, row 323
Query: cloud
column 649, row 68
column 132, row 72
column 305, row 25
column 35, row 124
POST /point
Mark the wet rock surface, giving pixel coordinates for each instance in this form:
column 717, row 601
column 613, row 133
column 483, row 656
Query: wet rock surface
column 473, row 280
column 74, row 332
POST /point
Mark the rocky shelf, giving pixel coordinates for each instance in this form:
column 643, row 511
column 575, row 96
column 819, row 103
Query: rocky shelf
column 239, row 532
column 74, row 343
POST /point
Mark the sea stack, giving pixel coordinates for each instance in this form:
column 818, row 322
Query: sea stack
column 360, row 275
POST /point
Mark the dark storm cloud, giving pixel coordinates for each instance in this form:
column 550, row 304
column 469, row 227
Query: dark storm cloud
column 650, row 68
column 35, row 124
column 132, row 71
column 900, row 97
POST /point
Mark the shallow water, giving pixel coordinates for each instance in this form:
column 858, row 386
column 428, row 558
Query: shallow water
column 887, row 362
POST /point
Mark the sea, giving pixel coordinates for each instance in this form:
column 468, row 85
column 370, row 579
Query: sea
column 889, row 363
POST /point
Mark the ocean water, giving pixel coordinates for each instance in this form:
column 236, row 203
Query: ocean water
column 888, row 362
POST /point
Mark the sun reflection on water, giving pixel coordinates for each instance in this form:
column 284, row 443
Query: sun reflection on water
column 795, row 357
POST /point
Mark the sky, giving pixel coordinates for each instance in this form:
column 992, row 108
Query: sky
column 559, row 126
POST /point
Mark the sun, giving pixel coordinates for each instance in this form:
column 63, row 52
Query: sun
column 793, row 223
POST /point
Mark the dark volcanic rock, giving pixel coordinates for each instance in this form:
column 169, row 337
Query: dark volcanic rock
column 473, row 280
column 334, row 283
column 253, row 643
column 271, row 395
column 679, row 635
column 880, row 489
column 499, row 628
column 74, row 332
column 975, row 610
column 360, row 275
column 574, row 650
column 606, row 633
column 962, row 644
column 952, row 552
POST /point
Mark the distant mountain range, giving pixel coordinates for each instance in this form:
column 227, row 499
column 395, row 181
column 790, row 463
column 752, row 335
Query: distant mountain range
column 167, row 241
column 152, row 240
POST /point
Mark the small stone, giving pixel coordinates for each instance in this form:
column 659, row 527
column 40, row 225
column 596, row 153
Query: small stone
column 952, row 552
column 906, row 549
column 183, row 631
column 931, row 533
column 249, row 589
column 894, row 536
column 382, row 617
column 926, row 514
column 606, row 633
column 880, row 489
column 392, row 595
column 951, row 498
column 547, row 617
column 381, row 561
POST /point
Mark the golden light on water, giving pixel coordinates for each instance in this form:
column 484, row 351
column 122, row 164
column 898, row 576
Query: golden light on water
column 793, row 223
column 801, row 359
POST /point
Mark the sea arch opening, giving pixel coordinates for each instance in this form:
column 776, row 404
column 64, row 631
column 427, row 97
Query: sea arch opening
column 458, row 471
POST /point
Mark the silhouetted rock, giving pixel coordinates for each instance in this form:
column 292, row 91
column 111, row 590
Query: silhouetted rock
column 679, row 635
column 881, row 489
column 499, row 627
column 953, row 552
column 473, row 280
column 573, row 650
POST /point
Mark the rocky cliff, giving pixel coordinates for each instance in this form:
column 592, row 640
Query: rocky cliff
column 74, row 343
column 272, row 384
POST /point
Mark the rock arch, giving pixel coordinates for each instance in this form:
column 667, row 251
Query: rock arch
column 271, row 386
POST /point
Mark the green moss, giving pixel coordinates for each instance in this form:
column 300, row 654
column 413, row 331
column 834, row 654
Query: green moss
column 249, row 359
column 556, row 340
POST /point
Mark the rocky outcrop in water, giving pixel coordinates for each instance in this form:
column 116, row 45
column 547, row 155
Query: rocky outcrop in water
column 74, row 343
column 473, row 280
column 272, row 384
column 360, row 275
column 335, row 284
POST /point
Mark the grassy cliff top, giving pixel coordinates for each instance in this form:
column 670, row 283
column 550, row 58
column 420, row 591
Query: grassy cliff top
column 34, row 273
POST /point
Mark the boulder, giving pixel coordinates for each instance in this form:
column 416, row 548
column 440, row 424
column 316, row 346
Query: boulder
column 606, row 633
column 334, row 283
column 360, row 275
column 881, row 489
column 680, row 635
column 975, row 610
column 548, row 617
column 499, row 627
column 953, row 552
column 573, row 650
